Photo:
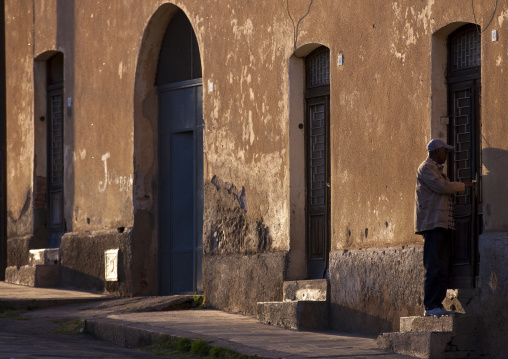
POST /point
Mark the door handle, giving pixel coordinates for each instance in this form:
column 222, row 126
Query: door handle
column 476, row 185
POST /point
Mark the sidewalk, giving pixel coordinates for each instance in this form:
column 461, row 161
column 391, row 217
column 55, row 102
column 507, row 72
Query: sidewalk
column 134, row 321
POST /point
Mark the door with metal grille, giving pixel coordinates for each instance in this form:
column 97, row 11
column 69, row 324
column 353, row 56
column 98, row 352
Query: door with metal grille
column 56, row 226
column 465, row 161
column 317, row 163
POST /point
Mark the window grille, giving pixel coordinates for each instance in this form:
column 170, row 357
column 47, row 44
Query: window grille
column 466, row 50
column 319, row 69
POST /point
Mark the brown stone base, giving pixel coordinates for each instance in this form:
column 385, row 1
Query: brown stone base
column 82, row 261
column 238, row 282
column 18, row 249
column 42, row 276
column 372, row 288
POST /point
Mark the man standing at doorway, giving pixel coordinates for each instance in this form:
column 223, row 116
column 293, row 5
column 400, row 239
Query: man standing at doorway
column 434, row 221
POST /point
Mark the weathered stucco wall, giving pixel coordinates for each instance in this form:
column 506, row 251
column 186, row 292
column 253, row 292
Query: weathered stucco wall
column 19, row 108
column 387, row 101
column 372, row 288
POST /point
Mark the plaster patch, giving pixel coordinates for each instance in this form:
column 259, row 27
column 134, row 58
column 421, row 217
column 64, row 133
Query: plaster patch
column 426, row 16
column 397, row 10
column 502, row 17
column 494, row 281
column 120, row 70
column 410, row 34
column 251, row 128
column 246, row 29
column 82, row 153
column 499, row 60
column 398, row 55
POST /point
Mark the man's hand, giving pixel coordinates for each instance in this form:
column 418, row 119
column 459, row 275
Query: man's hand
column 470, row 184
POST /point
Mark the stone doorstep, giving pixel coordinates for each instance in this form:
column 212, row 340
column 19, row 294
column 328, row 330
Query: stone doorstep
column 424, row 337
column 44, row 256
column 306, row 290
column 42, row 276
column 296, row 315
column 461, row 324
column 465, row 328
column 427, row 324
column 423, row 345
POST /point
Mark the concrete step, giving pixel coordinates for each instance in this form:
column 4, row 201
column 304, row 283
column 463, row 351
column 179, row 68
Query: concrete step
column 296, row 315
column 45, row 256
column 42, row 276
column 417, row 344
column 434, row 337
column 308, row 290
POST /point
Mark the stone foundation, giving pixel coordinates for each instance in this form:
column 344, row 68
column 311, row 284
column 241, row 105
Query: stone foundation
column 18, row 249
column 83, row 263
column 493, row 315
column 372, row 288
column 238, row 282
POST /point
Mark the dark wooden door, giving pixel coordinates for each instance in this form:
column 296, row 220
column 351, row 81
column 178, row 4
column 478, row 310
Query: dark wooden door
column 317, row 187
column 56, row 224
column 464, row 165
column 318, row 162
column 180, row 187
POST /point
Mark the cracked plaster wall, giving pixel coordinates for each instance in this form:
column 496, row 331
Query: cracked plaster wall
column 382, row 113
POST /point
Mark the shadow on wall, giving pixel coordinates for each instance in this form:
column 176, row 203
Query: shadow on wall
column 495, row 162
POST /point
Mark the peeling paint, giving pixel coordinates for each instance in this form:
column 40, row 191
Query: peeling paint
column 502, row 16
column 397, row 54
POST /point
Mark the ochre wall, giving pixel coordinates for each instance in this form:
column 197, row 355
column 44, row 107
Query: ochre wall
column 380, row 105
column 386, row 104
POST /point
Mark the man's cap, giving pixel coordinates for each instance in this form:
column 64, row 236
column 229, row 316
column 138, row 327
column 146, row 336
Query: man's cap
column 436, row 143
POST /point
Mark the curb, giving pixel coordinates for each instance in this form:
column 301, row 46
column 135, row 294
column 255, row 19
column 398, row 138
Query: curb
column 135, row 336
column 46, row 303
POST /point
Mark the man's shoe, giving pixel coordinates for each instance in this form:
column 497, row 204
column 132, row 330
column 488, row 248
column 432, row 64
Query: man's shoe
column 437, row 312
column 446, row 312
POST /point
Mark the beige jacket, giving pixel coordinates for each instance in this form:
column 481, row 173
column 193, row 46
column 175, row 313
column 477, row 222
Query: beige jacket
column 431, row 199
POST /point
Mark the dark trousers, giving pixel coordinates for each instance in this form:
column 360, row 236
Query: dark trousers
column 436, row 260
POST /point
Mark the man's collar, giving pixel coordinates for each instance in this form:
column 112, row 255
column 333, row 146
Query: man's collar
column 440, row 167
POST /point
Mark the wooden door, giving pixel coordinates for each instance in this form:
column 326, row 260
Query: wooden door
column 318, row 162
column 56, row 223
column 464, row 165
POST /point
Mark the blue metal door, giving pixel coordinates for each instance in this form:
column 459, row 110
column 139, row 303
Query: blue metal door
column 180, row 187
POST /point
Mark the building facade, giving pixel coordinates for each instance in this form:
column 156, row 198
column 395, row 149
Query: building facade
column 229, row 146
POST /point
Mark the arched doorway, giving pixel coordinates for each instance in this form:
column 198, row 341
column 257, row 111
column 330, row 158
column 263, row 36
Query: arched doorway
column 464, row 165
column 180, row 159
column 49, row 219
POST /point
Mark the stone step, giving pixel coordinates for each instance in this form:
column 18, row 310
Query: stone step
column 423, row 345
column 42, row 276
column 461, row 324
column 44, row 256
column 434, row 337
column 296, row 315
column 306, row 290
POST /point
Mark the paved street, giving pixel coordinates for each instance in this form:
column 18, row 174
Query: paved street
column 130, row 320
column 27, row 339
